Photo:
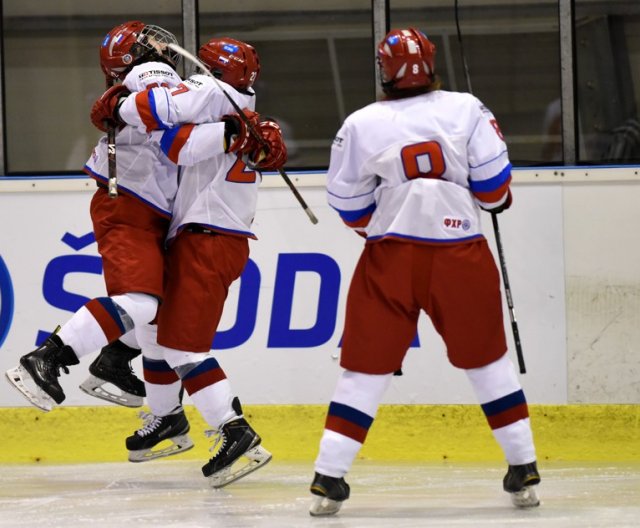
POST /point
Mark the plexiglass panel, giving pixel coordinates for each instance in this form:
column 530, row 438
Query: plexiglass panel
column 316, row 64
column 52, row 75
column 512, row 50
column 608, row 81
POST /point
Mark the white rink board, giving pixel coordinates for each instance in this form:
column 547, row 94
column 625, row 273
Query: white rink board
column 261, row 370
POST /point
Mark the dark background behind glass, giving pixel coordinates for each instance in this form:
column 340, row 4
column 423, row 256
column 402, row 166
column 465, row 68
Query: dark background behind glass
column 318, row 66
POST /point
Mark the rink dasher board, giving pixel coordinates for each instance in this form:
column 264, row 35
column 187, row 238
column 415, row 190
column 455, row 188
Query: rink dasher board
column 298, row 269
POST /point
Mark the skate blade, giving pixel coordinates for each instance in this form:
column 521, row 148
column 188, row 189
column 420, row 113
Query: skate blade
column 179, row 444
column 257, row 457
column 24, row 384
column 526, row 498
column 95, row 387
column 321, row 506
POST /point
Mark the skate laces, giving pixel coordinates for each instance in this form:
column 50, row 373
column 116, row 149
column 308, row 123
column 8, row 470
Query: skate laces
column 220, row 437
column 150, row 424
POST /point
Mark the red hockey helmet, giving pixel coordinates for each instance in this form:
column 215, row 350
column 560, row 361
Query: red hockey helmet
column 406, row 60
column 232, row 61
column 133, row 42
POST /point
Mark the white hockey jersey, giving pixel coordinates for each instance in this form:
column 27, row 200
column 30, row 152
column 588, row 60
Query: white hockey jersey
column 143, row 170
column 418, row 168
column 198, row 99
column 217, row 190
column 219, row 194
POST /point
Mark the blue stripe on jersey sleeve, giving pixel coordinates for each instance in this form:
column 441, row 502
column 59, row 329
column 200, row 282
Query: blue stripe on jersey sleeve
column 154, row 111
column 354, row 216
column 492, row 183
column 168, row 138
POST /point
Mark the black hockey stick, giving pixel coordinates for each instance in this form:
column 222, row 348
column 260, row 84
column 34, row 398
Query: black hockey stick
column 111, row 154
column 496, row 227
column 254, row 133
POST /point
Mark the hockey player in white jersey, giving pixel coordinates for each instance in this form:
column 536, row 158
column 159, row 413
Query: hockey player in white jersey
column 411, row 173
column 213, row 213
column 130, row 232
column 136, row 54
column 202, row 102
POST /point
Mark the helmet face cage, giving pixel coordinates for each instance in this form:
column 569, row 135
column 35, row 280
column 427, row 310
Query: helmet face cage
column 232, row 61
column 155, row 40
column 129, row 43
column 406, row 60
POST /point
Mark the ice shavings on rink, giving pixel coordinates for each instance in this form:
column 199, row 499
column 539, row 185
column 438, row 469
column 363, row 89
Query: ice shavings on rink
column 174, row 493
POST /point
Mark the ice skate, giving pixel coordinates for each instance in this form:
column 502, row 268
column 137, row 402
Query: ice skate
column 112, row 368
column 520, row 482
column 237, row 440
column 156, row 430
column 328, row 495
column 37, row 375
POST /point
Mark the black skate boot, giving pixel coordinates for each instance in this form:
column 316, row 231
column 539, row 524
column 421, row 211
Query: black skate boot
column 329, row 494
column 42, row 367
column 113, row 365
column 173, row 427
column 237, row 439
column 519, row 482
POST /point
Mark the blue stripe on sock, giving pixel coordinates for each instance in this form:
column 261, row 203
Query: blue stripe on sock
column 156, row 365
column 502, row 404
column 108, row 304
column 207, row 365
column 349, row 413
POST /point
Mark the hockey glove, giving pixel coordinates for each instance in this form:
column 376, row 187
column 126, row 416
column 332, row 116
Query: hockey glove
column 104, row 112
column 237, row 135
column 503, row 206
column 272, row 153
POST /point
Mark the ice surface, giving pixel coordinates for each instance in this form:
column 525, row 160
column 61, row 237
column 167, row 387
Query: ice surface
column 172, row 492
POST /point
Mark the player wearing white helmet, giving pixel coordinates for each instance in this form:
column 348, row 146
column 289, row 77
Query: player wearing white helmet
column 411, row 174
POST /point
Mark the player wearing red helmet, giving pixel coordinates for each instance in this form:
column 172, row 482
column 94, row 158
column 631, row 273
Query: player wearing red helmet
column 133, row 43
column 212, row 216
column 199, row 99
column 186, row 328
column 129, row 231
column 406, row 62
column 411, row 174
column 233, row 61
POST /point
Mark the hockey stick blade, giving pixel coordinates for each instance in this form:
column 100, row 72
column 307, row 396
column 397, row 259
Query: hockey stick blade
column 196, row 61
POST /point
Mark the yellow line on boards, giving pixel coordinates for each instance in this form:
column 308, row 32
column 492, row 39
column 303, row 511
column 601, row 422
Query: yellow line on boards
column 418, row 433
